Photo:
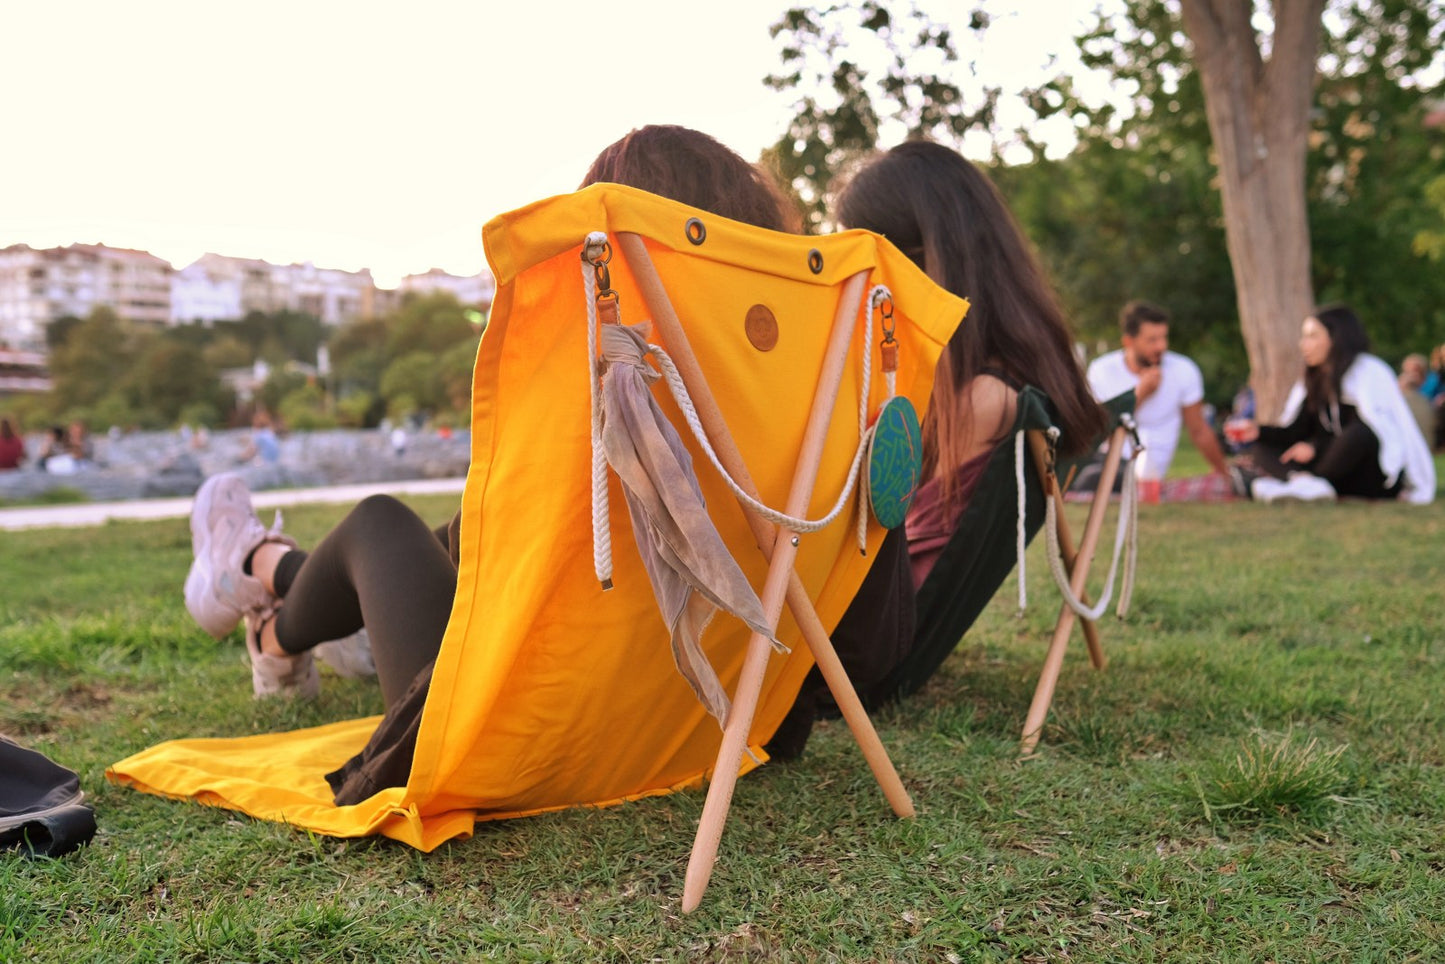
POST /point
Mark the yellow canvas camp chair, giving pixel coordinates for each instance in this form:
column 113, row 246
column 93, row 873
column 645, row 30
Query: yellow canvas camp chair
column 552, row 691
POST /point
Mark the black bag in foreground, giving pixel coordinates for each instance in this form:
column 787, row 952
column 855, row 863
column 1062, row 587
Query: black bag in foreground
column 41, row 812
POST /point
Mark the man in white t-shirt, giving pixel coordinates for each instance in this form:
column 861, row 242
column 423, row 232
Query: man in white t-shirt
column 1168, row 390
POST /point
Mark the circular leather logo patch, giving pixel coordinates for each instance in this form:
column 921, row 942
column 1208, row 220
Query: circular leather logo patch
column 761, row 327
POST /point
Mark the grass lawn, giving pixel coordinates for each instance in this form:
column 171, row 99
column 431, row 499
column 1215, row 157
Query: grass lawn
column 1259, row 775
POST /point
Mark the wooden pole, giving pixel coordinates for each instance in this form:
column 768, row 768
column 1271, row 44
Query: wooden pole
column 654, row 295
column 744, row 704
column 1054, row 660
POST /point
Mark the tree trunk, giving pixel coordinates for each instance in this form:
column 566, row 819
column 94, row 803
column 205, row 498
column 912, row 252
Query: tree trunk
column 1259, row 121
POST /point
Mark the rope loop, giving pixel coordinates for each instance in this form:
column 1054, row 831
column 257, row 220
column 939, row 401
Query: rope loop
column 601, row 533
column 1126, row 542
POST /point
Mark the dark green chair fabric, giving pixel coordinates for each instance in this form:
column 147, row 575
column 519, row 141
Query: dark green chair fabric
column 976, row 561
column 1116, row 408
column 984, row 549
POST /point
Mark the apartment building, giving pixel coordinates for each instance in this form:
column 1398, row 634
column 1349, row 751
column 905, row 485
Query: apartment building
column 219, row 288
column 205, row 291
column 477, row 289
column 38, row 285
column 23, row 371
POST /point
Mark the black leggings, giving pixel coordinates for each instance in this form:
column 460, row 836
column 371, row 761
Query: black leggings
column 1350, row 462
column 382, row 568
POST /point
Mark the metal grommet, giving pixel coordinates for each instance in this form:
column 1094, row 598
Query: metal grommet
column 815, row 261
column 696, row 231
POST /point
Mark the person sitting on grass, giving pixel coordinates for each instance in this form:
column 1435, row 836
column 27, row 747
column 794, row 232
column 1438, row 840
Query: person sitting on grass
column 1347, row 430
column 947, row 216
column 12, row 446
column 949, row 219
column 382, row 567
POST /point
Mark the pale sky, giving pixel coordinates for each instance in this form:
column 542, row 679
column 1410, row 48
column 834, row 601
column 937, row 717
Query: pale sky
column 382, row 135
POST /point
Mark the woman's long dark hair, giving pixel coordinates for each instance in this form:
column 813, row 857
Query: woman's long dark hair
column 690, row 167
column 1347, row 342
column 949, row 218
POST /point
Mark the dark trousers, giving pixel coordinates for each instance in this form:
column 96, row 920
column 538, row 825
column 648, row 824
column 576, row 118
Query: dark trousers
column 872, row 637
column 382, row 568
column 1349, row 461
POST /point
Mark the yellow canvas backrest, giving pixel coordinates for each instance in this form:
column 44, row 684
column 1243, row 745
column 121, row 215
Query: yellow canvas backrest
column 590, row 671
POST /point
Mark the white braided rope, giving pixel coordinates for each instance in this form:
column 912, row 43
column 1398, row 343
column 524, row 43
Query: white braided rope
column 1126, row 591
column 1124, row 535
column 1021, row 528
column 601, row 533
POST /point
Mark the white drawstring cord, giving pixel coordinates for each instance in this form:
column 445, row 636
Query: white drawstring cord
column 1125, row 535
column 601, row 534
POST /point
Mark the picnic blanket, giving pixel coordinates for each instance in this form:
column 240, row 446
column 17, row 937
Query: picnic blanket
column 1210, row 487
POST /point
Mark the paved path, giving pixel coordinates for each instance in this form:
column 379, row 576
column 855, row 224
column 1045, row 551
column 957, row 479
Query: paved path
column 99, row 513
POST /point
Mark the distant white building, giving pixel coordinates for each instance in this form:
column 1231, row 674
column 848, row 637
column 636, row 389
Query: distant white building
column 221, row 288
column 330, row 294
column 39, row 285
column 203, row 293
column 477, row 289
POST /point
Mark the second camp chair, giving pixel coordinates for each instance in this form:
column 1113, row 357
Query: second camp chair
column 993, row 531
column 1070, row 565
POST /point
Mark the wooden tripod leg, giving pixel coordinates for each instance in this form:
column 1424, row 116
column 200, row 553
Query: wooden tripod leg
column 1054, row 660
column 654, row 295
column 740, row 716
column 1055, row 491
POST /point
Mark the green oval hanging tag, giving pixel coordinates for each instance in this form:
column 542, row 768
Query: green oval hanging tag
column 895, row 462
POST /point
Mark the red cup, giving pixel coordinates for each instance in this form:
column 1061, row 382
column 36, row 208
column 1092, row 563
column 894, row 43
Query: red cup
column 1235, row 429
column 1149, row 490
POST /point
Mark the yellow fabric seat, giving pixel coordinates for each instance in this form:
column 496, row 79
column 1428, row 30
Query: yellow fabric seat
column 549, row 692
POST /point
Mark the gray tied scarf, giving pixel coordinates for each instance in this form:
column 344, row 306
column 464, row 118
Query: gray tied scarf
column 693, row 574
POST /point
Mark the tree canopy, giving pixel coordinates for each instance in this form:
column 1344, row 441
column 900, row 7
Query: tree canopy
column 1134, row 210
column 108, row 371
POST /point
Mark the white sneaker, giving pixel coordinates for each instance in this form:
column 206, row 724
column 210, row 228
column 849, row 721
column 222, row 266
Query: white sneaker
column 224, row 532
column 1309, row 488
column 279, row 675
column 1265, row 489
column 1301, row 487
column 349, row 657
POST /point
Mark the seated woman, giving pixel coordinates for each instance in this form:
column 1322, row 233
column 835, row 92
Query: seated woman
column 382, row 567
column 946, row 215
column 1347, row 431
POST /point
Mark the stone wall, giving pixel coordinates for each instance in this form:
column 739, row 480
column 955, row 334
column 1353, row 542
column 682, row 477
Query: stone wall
column 142, row 465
